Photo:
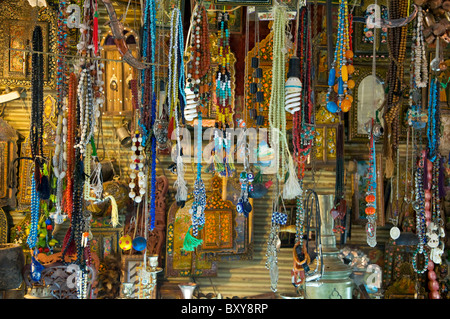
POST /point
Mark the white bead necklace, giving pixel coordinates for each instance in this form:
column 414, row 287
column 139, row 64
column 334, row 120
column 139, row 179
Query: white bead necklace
column 420, row 57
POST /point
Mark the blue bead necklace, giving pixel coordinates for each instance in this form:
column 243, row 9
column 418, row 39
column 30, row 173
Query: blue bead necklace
column 433, row 127
column 198, row 207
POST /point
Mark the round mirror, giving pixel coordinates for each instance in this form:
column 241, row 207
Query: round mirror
column 370, row 98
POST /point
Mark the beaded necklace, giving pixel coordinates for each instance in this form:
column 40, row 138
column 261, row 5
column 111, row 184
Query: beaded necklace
column 199, row 64
column 397, row 38
column 223, row 162
column 85, row 99
column 223, row 77
column 36, row 130
column 148, row 80
column 277, row 114
column 419, row 207
column 198, row 207
column 59, row 161
column 371, row 206
column 433, row 127
column 420, row 54
column 175, row 73
column 69, row 146
column 339, row 72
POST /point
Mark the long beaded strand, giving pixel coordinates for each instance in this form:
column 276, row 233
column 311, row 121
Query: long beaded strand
column 59, row 162
column 36, row 130
column 173, row 95
column 371, row 209
column 339, row 72
column 277, row 114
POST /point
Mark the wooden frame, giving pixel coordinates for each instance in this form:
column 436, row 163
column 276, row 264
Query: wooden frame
column 17, row 19
column 105, row 241
column 358, row 193
column 131, row 264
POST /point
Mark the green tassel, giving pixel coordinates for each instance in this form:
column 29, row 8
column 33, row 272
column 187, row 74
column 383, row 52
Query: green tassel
column 190, row 242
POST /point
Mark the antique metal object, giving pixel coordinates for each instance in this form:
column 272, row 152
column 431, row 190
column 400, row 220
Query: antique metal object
column 187, row 289
column 335, row 281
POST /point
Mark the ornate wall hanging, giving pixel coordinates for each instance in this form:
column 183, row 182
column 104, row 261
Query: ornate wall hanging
column 326, row 128
column 180, row 263
column 226, row 233
column 17, row 20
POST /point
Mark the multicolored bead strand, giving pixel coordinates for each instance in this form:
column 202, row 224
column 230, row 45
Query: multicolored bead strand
column 340, row 70
column 371, row 206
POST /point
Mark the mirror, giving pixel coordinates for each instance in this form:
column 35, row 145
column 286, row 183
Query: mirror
column 370, row 98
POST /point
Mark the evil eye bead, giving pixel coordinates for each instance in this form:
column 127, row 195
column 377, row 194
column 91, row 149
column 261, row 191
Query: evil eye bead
column 240, row 207
column 250, row 177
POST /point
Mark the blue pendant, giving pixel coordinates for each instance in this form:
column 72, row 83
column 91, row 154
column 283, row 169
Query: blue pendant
column 36, row 270
column 332, row 77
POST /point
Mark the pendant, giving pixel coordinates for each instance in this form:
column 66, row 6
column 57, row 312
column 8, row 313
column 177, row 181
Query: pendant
column 394, row 233
column 371, row 234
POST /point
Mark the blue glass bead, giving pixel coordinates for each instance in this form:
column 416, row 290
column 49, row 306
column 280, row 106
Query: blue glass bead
column 332, row 77
column 332, row 107
column 340, row 86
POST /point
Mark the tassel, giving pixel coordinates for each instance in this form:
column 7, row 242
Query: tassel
column 190, row 242
column 180, row 183
column 44, row 188
column 292, row 186
column 170, row 128
column 114, row 211
column 95, row 32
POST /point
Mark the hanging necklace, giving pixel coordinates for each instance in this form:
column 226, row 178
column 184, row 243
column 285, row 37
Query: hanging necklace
column 339, row 72
column 36, row 131
column 223, row 161
column 371, row 206
column 148, row 80
column 59, row 162
column 433, row 127
column 223, row 77
column 198, row 66
column 420, row 54
column 85, row 99
column 176, row 73
column 277, row 113
column 419, row 207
